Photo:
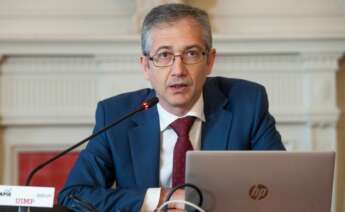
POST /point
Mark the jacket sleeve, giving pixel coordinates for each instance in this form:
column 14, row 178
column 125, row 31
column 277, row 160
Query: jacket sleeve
column 264, row 135
column 92, row 178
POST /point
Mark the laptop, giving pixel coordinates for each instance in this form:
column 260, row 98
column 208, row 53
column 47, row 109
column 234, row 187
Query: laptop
column 261, row 181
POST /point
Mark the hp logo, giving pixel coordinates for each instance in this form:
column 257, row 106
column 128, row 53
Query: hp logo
column 258, row 192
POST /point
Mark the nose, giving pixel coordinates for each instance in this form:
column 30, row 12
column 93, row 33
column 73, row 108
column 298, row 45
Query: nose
column 178, row 68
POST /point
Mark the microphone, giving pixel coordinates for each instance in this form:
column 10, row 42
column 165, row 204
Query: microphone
column 144, row 106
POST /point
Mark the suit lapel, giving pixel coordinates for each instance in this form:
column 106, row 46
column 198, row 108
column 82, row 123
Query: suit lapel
column 144, row 142
column 216, row 129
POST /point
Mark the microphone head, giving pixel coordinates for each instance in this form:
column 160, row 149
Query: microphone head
column 149, row 103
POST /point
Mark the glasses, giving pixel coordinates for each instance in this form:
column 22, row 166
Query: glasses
column 166, row 58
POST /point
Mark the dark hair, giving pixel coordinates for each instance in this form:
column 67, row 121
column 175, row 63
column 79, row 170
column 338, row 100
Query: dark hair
column 170, row 13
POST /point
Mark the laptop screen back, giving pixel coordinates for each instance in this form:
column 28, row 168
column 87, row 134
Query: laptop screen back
column 262, row 181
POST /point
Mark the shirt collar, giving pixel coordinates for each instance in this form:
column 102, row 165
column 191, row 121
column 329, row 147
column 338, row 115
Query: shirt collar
column 166, row 118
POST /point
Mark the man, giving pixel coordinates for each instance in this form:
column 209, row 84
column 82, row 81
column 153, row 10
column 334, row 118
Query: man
column 140, row 154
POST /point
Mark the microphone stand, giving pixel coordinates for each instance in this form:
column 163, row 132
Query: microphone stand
column 144, row 106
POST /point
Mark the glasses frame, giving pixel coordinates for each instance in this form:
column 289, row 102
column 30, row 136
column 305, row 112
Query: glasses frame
column 203, row 53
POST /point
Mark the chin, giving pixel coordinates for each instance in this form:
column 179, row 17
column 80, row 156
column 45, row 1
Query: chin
column 183, row 103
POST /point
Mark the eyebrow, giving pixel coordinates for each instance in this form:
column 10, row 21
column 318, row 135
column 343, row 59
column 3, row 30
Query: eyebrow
column 194, row 46
column 164, row 47
column 186, row 48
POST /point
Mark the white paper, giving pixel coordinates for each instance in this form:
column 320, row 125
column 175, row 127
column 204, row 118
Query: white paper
column 30, row 196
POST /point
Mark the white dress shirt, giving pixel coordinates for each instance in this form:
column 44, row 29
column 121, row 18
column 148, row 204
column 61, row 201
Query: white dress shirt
column 168, row 141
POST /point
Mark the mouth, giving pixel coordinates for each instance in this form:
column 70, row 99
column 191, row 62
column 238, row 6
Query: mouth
column 178, row 87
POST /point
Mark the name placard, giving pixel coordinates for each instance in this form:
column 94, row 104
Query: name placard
column 28, row 196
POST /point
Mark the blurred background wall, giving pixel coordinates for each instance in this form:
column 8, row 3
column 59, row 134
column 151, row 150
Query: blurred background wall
column 59, row 57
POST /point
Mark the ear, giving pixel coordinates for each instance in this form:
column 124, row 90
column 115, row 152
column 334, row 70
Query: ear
column 210, row 60
column 145, row 66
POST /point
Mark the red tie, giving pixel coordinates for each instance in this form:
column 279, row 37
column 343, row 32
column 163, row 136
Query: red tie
column 181, row 126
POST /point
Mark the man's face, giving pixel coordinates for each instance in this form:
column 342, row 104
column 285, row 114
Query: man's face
column 177, row 86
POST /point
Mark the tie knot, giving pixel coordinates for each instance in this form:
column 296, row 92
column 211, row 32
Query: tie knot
column 182, row 125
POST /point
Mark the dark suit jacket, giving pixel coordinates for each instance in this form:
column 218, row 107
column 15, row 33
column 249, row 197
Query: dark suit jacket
column 237, row 118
